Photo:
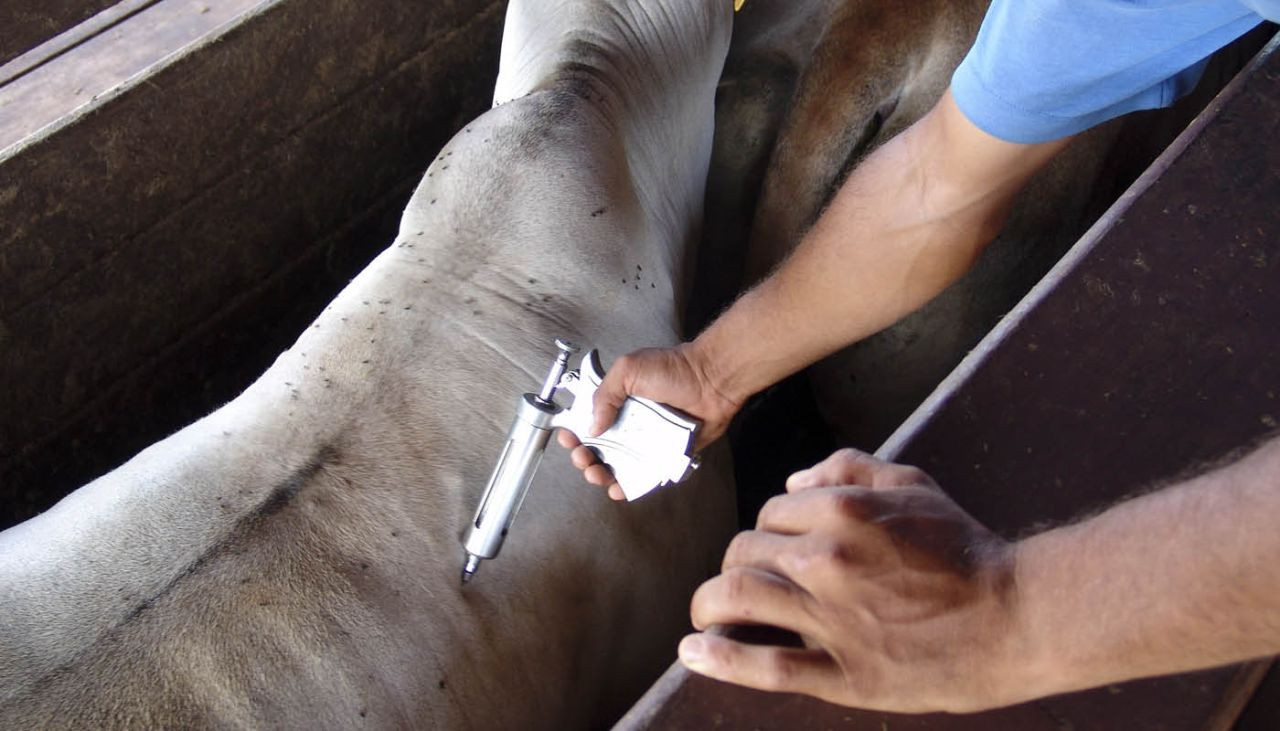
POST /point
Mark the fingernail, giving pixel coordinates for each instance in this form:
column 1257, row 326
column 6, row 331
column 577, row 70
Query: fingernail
column 798, row 479
column 693, row 652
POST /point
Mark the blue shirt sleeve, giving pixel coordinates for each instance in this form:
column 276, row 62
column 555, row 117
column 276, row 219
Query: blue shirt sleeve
column 1045, row 69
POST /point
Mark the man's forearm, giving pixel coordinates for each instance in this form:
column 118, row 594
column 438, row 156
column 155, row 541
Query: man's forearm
column 909, row 221
column 1181, row 579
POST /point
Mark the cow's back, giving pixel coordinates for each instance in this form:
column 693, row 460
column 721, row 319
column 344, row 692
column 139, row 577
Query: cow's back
column 293, row 558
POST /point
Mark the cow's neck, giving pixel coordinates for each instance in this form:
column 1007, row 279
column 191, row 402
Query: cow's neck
column 644, row 66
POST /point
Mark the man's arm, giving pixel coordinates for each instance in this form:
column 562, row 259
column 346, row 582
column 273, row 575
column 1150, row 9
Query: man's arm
column 908, row 222
column 908, row 604
column 1181, row 579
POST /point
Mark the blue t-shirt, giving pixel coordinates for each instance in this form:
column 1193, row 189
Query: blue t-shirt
column 1045, row 69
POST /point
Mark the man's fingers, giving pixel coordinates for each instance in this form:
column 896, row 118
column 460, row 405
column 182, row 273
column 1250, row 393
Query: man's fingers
column 756, row 549
column 801, row 512
column 598, row 474
column 567, row 439
column 844, row 467
column 852, row 467
column 593, row 471
column 744, row 595
column 781, row 669
column 582, row 457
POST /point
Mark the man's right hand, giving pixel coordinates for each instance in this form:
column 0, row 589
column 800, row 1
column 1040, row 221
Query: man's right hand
column 680, row 377
column 886, row 245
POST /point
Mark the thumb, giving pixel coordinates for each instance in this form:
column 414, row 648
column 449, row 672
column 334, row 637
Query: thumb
column 608, row 399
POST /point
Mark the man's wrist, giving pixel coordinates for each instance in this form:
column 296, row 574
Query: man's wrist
column 1041, row 655
column 740, row 353
column 719, row 361
column 710, row 368
column 1012, row 664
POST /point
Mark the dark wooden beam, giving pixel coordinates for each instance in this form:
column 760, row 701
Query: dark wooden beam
column 166, row 239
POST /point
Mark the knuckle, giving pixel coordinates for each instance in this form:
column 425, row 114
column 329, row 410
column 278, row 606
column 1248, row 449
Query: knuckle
column 847, row 454
column 847, row 466
column 706, row 602
column 847, row 459
column 826, row 557
column 836, row 556
column 736, row 551
column 769, row 511
column 905, row 475
column 776, row 671
column 625, row 364
column 736, row 587
column 607, row 395
column 849, row 504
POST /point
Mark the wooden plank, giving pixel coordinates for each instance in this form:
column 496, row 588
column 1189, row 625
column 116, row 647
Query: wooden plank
column 141, row 234
column 74, row 36
column 683, row 701
column 25, row 25
column 108, row 64
column 1262, row 712
column 1239, row 691
column 1149, row 351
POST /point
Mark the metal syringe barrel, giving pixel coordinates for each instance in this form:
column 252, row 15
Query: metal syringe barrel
column 509, row 483
column 518, row 463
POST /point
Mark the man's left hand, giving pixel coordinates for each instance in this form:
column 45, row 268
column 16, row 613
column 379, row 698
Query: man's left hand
column 904, row 602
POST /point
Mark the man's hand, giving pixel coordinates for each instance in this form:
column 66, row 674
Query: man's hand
column 678, row 377
column 905, row 602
